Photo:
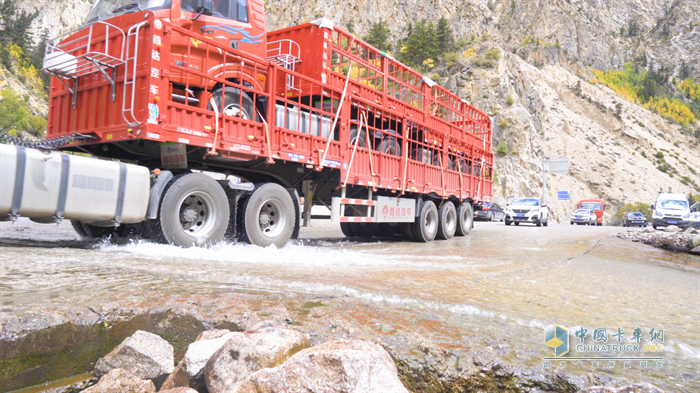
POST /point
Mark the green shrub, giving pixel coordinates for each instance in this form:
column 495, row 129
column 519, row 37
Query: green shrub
column 15, row 115
column 483, row 63
column 509, row 100
column 494, row 54
column 659, row 155
column 502, row 150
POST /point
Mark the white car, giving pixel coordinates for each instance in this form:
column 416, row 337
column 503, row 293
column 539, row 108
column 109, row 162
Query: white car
column 527, row 210
column 583, row 217
column 695, row 215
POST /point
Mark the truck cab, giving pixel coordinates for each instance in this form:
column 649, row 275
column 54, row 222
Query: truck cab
column 595, row 205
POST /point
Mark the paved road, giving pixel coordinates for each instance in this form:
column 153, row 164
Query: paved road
column 506, row 283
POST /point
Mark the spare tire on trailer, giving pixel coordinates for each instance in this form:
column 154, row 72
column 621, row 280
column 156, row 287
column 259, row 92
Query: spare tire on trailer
column 425, row 227
column 194, row 211
column 266, row 216
column 465, row 218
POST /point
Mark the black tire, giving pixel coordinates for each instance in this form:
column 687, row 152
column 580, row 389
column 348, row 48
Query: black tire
column 386, row 230
column 363, row 137
column 507, row 222
column 346, row 228
column 546, row 222
column 391, row 146
column 266, row 216
column 194, row 211
column 517, row 223
column 572, row 223
column 465, row 219
column 78, row 226
column 406, row 229
column 96, row 232
column 233, row 105
column 447, row 221
column 490, row 217
column 425, row 227
column 538, row 222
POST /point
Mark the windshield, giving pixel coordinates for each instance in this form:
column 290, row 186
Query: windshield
column 105, row 9
column 582, row 211
column 672, row 205
column 636, row 215
column 230, row 9
column 591, row 206
column 527, row 202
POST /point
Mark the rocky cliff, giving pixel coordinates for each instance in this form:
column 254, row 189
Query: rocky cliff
column 547, row 47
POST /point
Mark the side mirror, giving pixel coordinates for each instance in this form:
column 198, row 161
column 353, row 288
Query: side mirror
column 545, row 205
column 205, row 6
column 652, row 207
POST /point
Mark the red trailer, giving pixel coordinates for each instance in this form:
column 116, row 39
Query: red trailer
column 187, row 86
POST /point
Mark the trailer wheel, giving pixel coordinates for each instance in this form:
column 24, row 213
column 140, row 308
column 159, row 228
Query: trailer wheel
column 425, row 228
column 78, row 226
column 267, row 216
column 465, row 217
column 235, row 104
column 448, row 221
column 346, row 227
column 407, row 231
column 194, row 211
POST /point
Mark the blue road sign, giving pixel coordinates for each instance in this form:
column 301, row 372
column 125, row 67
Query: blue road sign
column 563, row 195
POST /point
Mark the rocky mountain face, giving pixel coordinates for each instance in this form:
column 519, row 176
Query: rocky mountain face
column 546, row 49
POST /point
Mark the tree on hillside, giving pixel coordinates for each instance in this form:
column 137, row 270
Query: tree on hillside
column 420, row 45
column 443, row 34
column 378, row 36
column 14, row 25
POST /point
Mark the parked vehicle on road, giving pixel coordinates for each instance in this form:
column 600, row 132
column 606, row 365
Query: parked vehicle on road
column 595, row 205
column 634, row 219
column 695, row 215
column 527, row 210
column 583, row 217
column 670, row 209
column 160, row 90
column 489, row 212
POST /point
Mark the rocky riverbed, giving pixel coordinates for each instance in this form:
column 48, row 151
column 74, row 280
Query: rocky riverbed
column 672, row 239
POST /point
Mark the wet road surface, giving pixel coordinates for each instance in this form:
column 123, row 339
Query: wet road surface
column 507, row 283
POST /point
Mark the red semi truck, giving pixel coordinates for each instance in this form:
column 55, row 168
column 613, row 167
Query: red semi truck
column 595, row 205
column 187, row 88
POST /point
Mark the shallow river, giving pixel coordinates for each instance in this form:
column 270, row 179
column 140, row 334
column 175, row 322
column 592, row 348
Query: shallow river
column 508, row 283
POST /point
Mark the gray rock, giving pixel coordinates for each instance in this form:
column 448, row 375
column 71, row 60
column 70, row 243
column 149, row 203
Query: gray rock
column 144, row 354
column 336, row 366
column 635, row 388
column 245, row 353
column 178, row 390
column 190, row 371
column 120, row 381
column 691, row 231
column 696, row 241
column 672, row 228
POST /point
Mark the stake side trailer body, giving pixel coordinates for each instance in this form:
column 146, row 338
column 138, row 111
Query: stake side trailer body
column 308, row 115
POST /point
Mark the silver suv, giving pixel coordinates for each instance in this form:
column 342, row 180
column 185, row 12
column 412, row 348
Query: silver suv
column 527, row 210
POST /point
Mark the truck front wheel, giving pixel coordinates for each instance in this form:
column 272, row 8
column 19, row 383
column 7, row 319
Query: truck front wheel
column 194, row 211
column 267, row 216
column 234, row 104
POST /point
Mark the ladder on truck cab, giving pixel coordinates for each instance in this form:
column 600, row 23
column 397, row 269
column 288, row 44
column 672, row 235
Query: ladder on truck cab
column 68, row 61
column 285, row 53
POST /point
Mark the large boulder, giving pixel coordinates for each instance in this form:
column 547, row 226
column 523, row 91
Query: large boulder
column 248, row 352
column 119, row 381
column 178, row 390
column 672, row 228
column 696, row 241
column 144, row 354
column 190, row 371
column 336, row 366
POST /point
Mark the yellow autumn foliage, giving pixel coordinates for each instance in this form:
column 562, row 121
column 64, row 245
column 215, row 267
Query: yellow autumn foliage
column 691, row 89
column 671, row 109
